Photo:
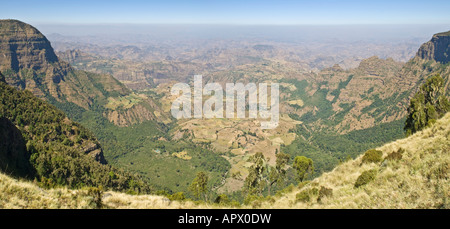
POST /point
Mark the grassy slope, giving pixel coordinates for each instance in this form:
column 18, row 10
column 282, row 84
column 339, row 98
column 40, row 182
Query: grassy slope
column 23, row 194
column 418, row 180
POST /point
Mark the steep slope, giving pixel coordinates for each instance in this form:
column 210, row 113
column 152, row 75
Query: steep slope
column 14, row 158
column 28, row 61
column 126, row 123
column 437, row 49
column 43, row 122
column 431, row 59
column 15, row 194
column 20, row 194
column 358, row 98
column 39, row 141
column 414, row 173
column 359, row 104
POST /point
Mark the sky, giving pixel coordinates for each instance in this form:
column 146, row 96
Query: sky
column 235, row 12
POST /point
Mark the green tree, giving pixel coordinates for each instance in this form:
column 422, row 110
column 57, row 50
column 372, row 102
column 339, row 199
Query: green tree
column 277, row 174
column 199, row 185
column 252, row 183
column 304, row 167
column 427, row 105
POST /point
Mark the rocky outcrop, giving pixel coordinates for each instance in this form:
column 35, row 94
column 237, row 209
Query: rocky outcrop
column 95, row 151
column 28, row 61
column 23, row 46
column 430, row 60
column 438, row 48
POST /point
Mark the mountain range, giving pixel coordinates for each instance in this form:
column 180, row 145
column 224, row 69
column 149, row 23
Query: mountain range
column 121, row 130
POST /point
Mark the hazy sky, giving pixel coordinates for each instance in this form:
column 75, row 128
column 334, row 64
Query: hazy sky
column 229, row 11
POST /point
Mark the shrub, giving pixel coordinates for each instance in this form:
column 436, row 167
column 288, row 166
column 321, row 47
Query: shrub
column 324, row 192
column 427, row 105
column 303, row 166
column 307, row 194
column 269, row 199
column 365, row 178
column 177, row 196
column 285, row 190
column 96, row 194
column 235, row 204
column 249, row 199
column 372, row 156
column 396, row 155
column 314, row 191
column 303, row 196
column 222, row 199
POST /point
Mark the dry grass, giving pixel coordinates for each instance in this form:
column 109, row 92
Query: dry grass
column 124, row 201
column 16, row 194
column 419, row 179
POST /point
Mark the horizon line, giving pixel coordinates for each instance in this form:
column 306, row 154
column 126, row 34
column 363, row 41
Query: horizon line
column 235, row 24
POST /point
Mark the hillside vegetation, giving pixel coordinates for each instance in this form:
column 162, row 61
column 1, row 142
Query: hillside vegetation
column 412, row 173
column 327, row 117
column 39, row 142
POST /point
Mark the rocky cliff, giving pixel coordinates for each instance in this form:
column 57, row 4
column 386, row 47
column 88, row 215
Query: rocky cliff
column 23, row 46
column 431, row 59
column 28, row 61
column 438, row 48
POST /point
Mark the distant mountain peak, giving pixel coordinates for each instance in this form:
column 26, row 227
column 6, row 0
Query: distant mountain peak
column 438, row 48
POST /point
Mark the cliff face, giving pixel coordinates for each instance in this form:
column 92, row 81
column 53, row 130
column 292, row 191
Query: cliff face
column 438, row 48
column 23, row 46
column 28, row 61
column 430, row 60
